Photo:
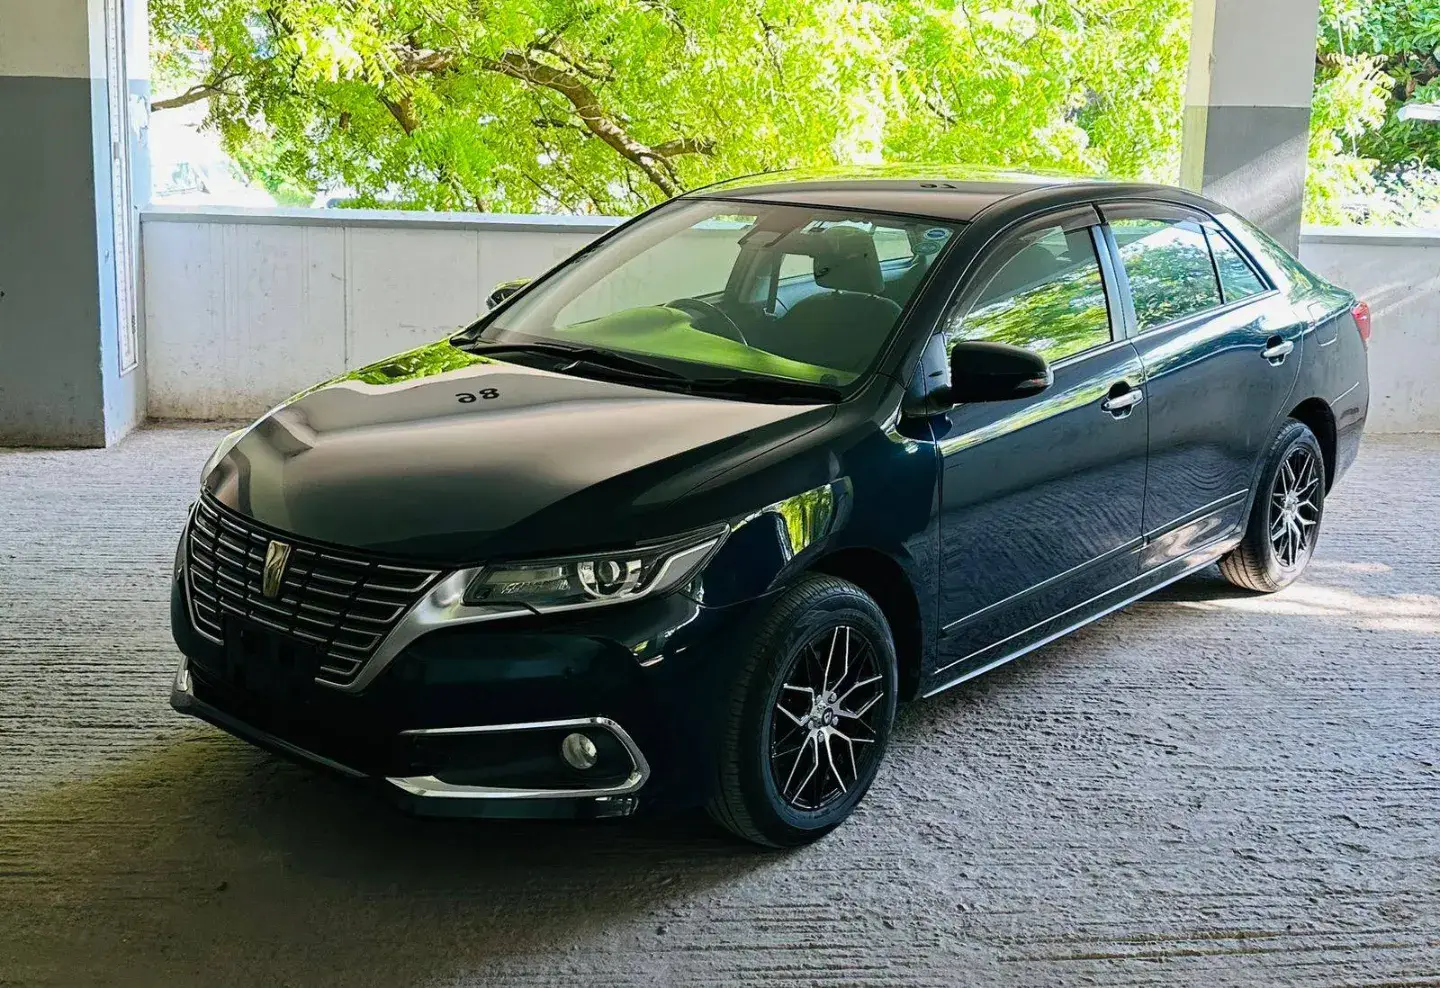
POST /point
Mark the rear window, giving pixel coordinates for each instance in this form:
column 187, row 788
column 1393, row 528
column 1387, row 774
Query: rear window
column 1238, row 279
column 1296, row 279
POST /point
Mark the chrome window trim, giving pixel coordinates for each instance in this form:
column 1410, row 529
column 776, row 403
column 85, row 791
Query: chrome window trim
column 430, row 787
column 1208, row 314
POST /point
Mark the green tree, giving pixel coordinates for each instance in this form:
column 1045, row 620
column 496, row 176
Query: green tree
column 611, row 105
column 1368, row 165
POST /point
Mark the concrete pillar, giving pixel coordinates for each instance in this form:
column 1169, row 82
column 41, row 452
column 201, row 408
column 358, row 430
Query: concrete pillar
column 1247, row 108
column 71, row 366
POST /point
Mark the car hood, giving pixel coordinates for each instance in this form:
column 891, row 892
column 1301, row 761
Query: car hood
column 449, row 457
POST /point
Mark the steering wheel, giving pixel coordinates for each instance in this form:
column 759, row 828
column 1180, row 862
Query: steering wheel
column 705, row 310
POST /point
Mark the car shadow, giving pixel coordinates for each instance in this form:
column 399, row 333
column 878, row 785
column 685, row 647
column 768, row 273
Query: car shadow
column 205, row 861
column 1206, row 585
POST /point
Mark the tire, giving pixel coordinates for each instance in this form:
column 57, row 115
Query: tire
column 1266, row 563
column 759, row 794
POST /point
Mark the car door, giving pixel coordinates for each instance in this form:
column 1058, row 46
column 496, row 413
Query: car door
column 1041, row 498
column 1220, row 349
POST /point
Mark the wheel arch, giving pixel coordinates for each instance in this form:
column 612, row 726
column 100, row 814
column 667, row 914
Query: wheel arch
column 887, row 582
column 1316, row 414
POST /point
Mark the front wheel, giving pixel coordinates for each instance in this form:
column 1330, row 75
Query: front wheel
column 1285, row 518
column 810, row 715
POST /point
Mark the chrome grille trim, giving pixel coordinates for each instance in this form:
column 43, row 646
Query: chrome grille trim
column 344, row 604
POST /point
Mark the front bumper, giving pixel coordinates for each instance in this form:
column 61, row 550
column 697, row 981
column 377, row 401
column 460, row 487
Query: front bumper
column 469, row 721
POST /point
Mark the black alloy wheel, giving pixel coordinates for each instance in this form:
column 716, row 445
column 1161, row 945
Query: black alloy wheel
column 823, row 729
column 810, row 715
column 1285, row 515
column 1295, row 506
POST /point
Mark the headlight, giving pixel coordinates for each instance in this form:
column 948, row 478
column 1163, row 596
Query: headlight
column 597, row 578
column 226, row 445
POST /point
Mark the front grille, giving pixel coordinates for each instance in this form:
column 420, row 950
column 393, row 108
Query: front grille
column 343, row 604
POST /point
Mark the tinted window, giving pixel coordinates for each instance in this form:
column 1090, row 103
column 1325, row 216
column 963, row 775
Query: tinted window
column 892, row 244
column 1168, row 264
column 1043, row 291
column 1237, row 278
column 1296, row 278
column 694, row 283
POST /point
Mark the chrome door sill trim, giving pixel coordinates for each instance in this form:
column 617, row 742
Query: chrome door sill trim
column 429, row 786
column 1210, row 555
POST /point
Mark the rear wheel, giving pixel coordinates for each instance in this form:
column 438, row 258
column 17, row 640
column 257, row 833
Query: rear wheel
column 1285, row 518
column 810, row 716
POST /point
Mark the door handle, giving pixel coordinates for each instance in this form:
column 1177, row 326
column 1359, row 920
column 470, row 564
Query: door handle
column 1120, row 405
column 1277, row 352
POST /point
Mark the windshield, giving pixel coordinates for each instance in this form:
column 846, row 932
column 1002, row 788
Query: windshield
column 795, row 293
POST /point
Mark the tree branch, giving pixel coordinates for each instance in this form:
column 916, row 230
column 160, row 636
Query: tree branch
column 403, row 111
column 652, row 161
column 200, row 91
column 685, row 145
column 413, row 61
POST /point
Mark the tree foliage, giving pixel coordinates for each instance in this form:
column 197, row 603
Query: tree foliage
column 610, row 105
column 1367, row 165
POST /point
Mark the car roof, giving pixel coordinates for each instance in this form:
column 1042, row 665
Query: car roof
column 955, row 193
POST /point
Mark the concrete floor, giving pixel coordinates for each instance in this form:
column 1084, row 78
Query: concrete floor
column 1207, row 788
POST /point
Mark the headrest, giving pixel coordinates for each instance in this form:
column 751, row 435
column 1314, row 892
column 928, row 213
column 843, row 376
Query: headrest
column 1032, row 265
column 845, row 260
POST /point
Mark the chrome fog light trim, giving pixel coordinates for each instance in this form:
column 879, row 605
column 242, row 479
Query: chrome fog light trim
column 431, row 787
column 182, row 677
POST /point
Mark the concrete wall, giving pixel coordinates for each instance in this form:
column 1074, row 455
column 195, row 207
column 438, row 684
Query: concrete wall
column 62, row 378
column 1398, row 273
column 244, row 307
column 1247, row 108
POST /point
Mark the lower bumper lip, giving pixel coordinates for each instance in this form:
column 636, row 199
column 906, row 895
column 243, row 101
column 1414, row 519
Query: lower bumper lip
column 615, row 798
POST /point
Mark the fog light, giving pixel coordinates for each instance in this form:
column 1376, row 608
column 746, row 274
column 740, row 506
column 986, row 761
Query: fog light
column 579, row 751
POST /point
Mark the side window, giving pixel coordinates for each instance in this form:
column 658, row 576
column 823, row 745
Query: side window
column 1295, row 279
column 797, row 266
column 1237, row 279
column 1168, row 265
column 892, row 244
column 1041, row 291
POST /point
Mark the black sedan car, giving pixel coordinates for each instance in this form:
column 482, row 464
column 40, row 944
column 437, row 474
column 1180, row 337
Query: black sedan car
column 681, row 522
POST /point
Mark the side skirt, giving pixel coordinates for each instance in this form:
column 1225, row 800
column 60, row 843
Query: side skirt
column 1077, row 617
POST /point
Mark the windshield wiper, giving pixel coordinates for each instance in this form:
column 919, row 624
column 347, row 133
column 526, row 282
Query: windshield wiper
column 619, row 365
column 766, row 387
column 575, row 355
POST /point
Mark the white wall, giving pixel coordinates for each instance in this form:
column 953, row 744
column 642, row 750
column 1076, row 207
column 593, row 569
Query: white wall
column 246, row 307
column 1398, row 273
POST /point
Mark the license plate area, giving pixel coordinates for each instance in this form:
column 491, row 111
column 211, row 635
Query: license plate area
column 260, row 661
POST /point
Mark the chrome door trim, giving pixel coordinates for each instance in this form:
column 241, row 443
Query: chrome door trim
column 1131, row 546
column 1161, row 531
column 1206, row 556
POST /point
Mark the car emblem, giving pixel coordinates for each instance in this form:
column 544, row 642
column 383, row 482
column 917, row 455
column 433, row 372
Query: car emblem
column 276, row 556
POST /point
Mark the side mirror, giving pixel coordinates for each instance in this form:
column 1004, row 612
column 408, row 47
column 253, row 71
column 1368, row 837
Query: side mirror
column 504, row 290
column 995, row 372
